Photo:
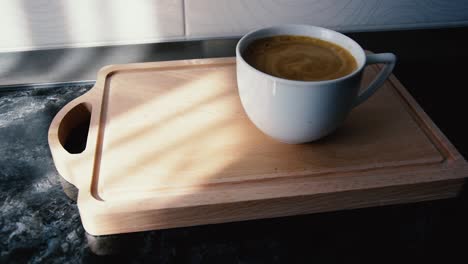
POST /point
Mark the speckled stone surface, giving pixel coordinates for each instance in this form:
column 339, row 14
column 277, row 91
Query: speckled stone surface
column 38, row 222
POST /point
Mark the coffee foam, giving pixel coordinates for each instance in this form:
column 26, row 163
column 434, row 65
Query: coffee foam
column 300, row 58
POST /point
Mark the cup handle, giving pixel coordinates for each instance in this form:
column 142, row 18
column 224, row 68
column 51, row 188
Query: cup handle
column 389, row 59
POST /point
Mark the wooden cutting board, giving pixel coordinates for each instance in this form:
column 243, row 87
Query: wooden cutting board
column 169, row 145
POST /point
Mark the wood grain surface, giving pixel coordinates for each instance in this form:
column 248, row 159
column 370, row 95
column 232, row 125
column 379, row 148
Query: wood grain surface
column 169, row 140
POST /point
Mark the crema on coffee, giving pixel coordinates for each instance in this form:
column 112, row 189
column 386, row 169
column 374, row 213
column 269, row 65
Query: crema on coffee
column 300, row 58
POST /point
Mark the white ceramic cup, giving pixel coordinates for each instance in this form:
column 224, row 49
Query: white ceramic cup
column 303, row 111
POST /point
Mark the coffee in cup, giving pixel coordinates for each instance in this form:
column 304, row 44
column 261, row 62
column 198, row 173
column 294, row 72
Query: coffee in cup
column 300, row 58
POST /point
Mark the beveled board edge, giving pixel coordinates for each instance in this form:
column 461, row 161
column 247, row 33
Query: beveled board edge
column 122, row 222
column 426, row 124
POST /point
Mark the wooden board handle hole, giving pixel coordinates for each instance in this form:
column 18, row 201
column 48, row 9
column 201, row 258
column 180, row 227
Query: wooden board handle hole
column 73, row 130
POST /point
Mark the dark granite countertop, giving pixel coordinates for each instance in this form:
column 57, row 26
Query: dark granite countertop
column 39, row 224
column 37, row 220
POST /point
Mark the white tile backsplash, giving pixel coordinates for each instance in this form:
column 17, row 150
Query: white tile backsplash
column 30, row 24
column 37, row 24
column 208, row 18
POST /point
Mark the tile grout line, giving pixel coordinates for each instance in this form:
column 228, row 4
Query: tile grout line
column 184, row 18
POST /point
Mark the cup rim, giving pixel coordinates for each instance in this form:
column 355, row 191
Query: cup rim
column 298, row 82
